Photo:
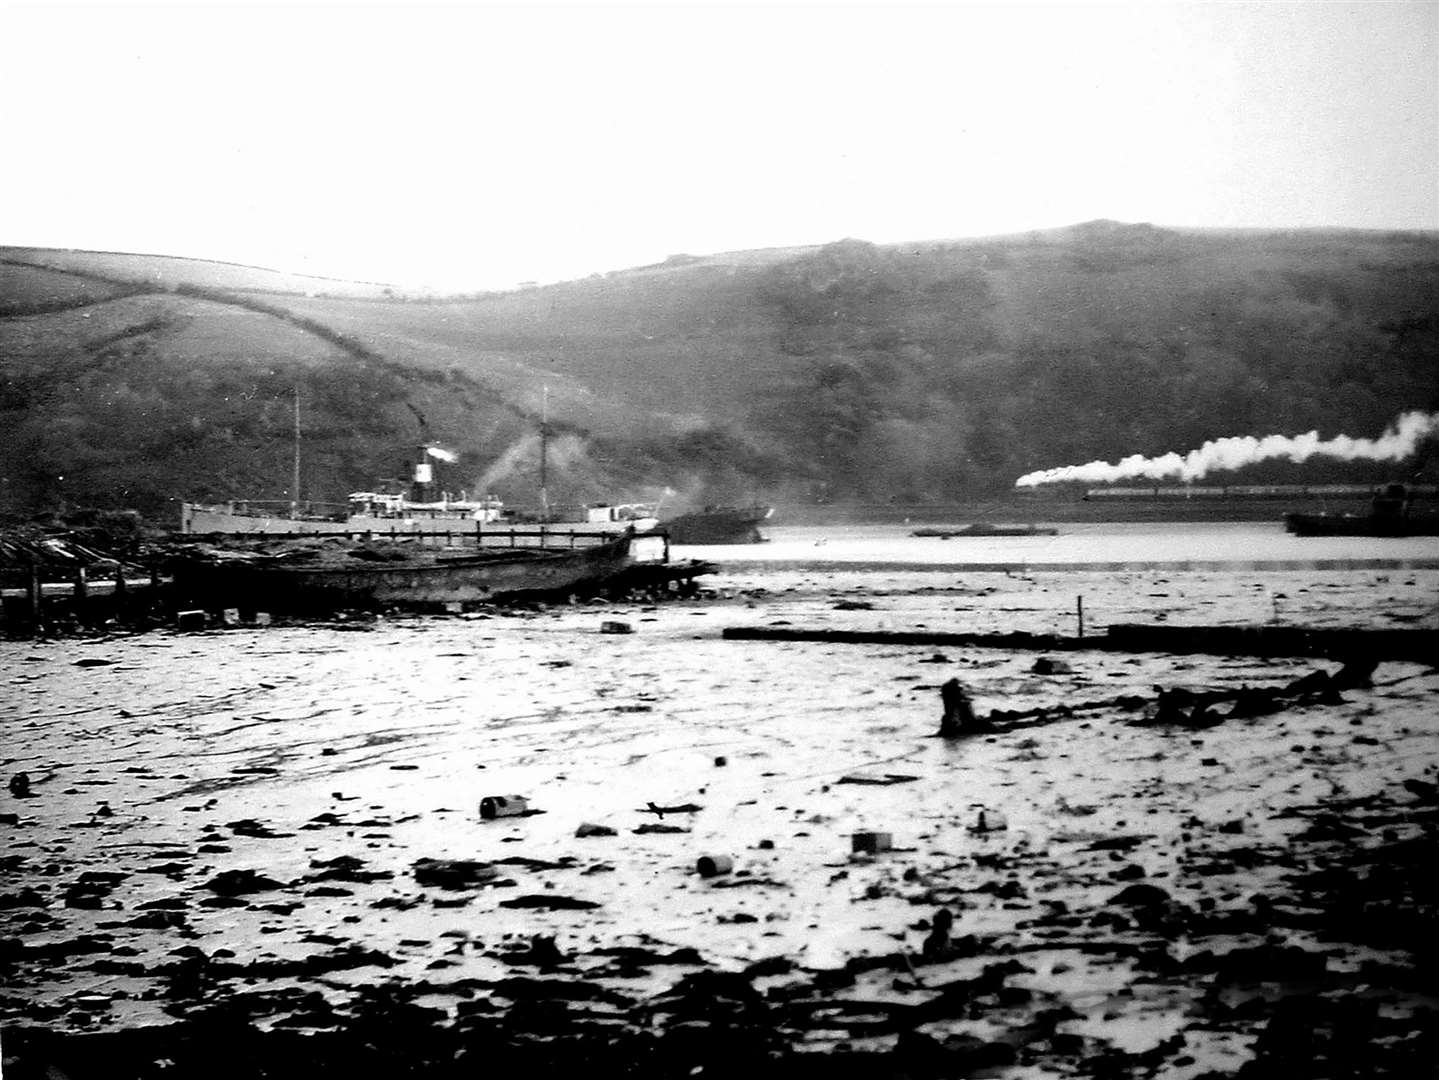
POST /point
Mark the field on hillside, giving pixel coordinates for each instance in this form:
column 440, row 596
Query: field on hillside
column 167, row 271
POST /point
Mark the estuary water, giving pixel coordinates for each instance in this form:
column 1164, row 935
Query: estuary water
column 1079, row 546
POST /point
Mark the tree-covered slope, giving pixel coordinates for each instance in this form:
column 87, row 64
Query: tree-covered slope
column 922, row 372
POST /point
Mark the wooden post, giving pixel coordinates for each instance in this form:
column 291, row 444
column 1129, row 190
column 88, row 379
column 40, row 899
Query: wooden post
column 33, row 591
column 1079, row 613
column 959, row 718
column 82, row 585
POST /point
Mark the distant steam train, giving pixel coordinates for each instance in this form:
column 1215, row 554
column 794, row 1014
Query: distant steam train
column 1252, row 491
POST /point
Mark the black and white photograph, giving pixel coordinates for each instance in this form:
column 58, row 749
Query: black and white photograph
column 771, row 541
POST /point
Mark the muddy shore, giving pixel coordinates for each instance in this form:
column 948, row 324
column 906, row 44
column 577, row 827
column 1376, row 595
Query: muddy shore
column 261, row 851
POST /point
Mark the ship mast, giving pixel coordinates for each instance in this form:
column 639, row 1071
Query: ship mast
column 544, row 455
column 295, row 478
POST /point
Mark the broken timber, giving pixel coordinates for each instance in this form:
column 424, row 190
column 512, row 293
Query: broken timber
column 1420, row 645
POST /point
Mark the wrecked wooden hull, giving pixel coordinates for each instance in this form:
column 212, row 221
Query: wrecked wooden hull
column 485, row 577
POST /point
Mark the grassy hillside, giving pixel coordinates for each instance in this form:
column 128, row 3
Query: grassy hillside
column 916, row 373
column 167, row 271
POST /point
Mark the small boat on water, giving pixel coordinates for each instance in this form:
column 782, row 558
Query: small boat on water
column 719, row 525
column 980, row 528
column 1390, row 514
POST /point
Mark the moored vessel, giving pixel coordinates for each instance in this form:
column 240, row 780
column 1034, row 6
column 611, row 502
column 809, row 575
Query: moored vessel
column 1391, row 513
column 719, row 525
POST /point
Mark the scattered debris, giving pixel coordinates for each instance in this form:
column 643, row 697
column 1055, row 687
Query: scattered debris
column 714, row 865
column 679, row 808
column 240, row 882
column 453, row 873
column 1047, row 665
column 498, row 806
column 878, row 781
column 936, row 943
column 988, row 821
column 871, row 842
column 548, row 902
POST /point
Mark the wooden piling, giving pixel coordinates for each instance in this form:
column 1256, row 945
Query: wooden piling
column 959, row 718
column 33, row 592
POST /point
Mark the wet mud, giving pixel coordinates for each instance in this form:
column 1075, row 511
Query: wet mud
column 263, row 851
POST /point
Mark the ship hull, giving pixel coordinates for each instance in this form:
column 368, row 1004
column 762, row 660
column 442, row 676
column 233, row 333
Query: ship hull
column 720, row 526
column 280, row 585
column 200, row 520
column 1360, row 525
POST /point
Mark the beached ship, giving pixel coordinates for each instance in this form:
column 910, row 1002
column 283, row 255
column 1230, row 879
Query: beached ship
column 413, row 505
column 719, row 525
column 261, row 517
column 1391, row 513
column 390, row 512
column 330, row 573
column 418, row 504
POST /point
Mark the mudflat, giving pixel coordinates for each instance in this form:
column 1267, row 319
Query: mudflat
column 261, row 851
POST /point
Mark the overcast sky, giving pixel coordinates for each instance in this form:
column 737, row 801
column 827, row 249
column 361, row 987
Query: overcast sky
column 478, row 145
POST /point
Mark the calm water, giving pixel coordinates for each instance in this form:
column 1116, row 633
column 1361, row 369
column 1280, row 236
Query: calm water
column 1131, row 544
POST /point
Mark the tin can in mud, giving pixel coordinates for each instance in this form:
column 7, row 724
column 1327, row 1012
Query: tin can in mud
column 714, row 865
column 493, row 806
column 871, row 842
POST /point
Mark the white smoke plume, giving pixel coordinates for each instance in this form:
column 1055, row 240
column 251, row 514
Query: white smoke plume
column 525, row 448
column 441, row 455
column 566, row 454
column 1398, row 442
